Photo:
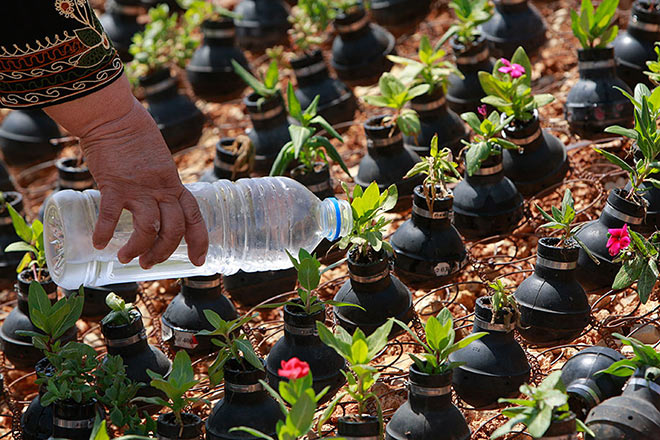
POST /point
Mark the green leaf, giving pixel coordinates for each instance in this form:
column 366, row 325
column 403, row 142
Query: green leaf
column 299, row 136
column 22, row 229
column 628, row 273
column 626, row 132
column 378, row 339
column 272, row 77
column 250, row 80
column 615, row 160
column 294, row 105
column 21, row 246
column 647, row 279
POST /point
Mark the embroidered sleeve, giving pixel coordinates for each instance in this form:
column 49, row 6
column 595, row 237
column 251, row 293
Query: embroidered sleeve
column 53, row 51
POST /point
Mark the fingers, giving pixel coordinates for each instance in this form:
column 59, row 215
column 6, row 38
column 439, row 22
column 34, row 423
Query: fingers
column 146, row 225
column 109, row 212
column 197, row 237
column 172, row 227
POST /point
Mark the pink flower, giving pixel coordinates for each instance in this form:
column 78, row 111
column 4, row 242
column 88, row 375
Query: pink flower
column 619, row 240
column 482, row 110
column 294, row 368
column 515, row 70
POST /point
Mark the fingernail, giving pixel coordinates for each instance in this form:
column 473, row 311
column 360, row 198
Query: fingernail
column 199, row 261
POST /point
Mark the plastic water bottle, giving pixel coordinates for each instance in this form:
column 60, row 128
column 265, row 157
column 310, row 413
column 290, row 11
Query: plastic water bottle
column 250, row 223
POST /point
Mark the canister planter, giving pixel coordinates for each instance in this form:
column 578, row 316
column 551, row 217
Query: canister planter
column 210, row 71
column 553, row 305
column 380, row 294
column 515, row 23
column 593, row 103
column 493, row 366
column 360, row 49
column 427, row 246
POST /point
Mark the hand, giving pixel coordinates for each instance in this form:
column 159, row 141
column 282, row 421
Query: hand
column 134, row 170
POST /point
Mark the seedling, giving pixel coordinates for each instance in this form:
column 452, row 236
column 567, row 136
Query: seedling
column 595, row 29
column 32, row 244
column 503, row 304
column 654, row 67
column 199, row 10
column 369, row 222
column 358, row 350
column 646, row 136
column 299, row 395
column 470, row 14
column 645, row 357
column 509, row 88
column 563, row 219
column 395, row 94
column 309, row 277
column 484, row 144
column 546, row 404
column 306, row 145
column 639, row 260
column 121, row 312
column 165, row 42
column 54, row 320
column 116, row 392
column 440, row 169
column 431, row 69
column 439, row 344
column 233, row 345
column 73, row 375
column 309, row 19
column 268, row 87
column 180, row 380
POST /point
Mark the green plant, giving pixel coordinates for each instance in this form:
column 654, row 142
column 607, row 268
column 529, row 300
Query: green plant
column 116, row 392
column 32, row 244
column 232, row 345
column 306, row 146
column 180, row 380
column 639, row 261
column 199, row 10
column 309, row 277
column 470, row 14
column 309, row 20
column 645, row 357
column 73, row 376
column 166, row 41
column 121, row 312
column 54, row 320
column 654, row 66
column 484, row 144
column 358, row 350
column 268, row 87
column 503, row 304
column 369, row 222
column 299, row 394
column 100, row 432
column 440, row 337
column 347, row 5
column 509, row 88
column 431, row 69
column 439, row 169
column 395, row 94
column 647, row 138
column 546, row 404
column 563, row 219
column 595, row 25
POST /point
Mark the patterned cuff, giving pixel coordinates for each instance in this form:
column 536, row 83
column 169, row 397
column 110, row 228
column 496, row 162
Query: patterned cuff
column 60, row 68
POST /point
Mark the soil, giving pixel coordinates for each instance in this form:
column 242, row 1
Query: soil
column 511, row 257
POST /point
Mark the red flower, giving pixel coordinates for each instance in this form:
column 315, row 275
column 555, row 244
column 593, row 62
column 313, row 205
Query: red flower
column 619, row 240
column 294, row 368
column 515, row 70
column 482, row 110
